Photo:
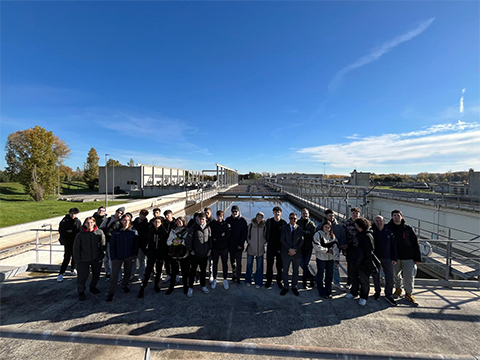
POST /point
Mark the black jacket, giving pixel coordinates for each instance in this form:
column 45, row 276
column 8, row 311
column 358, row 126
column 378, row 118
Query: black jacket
column 123, row 244
column 273, row 225
column 308, row 227
column 221, row 232
column 239, row 232
column 68, row 229
column 199, row 240
column 157, row 247
column 89, row 246
column 385, row 245
column 142, row 228
column 407, row 242
column 291, row 241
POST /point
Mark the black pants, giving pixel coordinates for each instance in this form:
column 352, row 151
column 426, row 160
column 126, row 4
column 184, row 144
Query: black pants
column 198, row 262
column 68, row 254
column 127, row 272
column 184, row 264
column 151, row 262
column 273, row 255
column 236, row 263
column 360, row 278
column 216, row 254
column 83, row 269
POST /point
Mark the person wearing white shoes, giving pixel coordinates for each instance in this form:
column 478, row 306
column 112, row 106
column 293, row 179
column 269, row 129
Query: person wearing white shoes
column 199, row 245
column 68, row 228
column 178, row 254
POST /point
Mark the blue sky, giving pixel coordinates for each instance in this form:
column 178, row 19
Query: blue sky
column 255, row 86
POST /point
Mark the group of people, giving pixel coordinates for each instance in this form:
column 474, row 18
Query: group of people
column 165, row 243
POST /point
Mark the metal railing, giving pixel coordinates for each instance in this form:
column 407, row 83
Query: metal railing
column 146, row 342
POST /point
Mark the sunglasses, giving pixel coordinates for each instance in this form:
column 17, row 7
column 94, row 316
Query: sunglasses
column 293, row 218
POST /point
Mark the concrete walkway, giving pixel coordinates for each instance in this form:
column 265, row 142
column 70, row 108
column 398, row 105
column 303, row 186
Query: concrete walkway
column 447, row 321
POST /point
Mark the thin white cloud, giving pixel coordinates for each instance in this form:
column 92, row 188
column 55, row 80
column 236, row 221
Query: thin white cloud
column 435, row 145
column 377, row 52
column 461, row 102
column 151, row 127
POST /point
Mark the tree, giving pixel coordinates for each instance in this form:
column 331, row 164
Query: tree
column 90, row 170
column 131, row 163
column 32, row 155
column 112, row 162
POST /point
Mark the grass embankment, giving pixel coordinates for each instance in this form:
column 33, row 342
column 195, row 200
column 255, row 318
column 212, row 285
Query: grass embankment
column 16, row 207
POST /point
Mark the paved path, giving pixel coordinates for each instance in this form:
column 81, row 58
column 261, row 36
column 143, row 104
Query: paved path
column 448, row 321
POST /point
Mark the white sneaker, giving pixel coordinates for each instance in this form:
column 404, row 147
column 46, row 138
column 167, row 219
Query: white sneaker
column 349, row 296
column 214, row 283
column 60, row 278
column 362, row 302
column 73, row 272
column 167, row 279
column 205, row 290
column 225, row 284
column 190, row 292
column 211, row 279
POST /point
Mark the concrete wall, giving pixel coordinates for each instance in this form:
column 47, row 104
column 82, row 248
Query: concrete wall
column 121, row 175
column 474, row 183
column 443, row 218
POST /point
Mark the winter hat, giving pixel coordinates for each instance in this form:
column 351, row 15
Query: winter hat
column 235, row 208
column 260, row 214
column 122, row 209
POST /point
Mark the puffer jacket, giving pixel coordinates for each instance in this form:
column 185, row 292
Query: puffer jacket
column 257, row 238
column 326, row 247
column 68, row 229
column 123, row 244
column 199, row 240
column 89, row 245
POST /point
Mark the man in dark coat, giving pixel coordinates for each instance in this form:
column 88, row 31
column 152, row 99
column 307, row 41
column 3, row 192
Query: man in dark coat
column 68, row 228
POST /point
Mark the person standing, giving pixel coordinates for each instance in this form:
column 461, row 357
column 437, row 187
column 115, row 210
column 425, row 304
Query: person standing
column 68, row 228
column 108, row 226
column 100, row 215
column 361, row 260
column 291, row 239
column 308, row 227
column 256, row 240
column 123, row 251
column 238, row 237
column 221, row 231
column 88, row 249
column 326, row 253
column 154, row 256
column 142, row 226
column 199, row 245
column 408, row 254
column 274, row 229
column 352, row 241
column 178, row 253
column 339, row 233
column 386, row 252
column 168, row 224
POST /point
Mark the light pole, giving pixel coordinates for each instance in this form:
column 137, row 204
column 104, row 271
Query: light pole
column 106, row 182
column 113, row 181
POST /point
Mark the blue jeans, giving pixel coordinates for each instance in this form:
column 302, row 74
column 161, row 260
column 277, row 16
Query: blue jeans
column 324, row 267
column 336, row 274
column 258, row 270
column 306, row 256
column 139, row 264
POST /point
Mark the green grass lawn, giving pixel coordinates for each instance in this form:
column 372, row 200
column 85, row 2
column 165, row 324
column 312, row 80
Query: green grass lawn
column 16, row 207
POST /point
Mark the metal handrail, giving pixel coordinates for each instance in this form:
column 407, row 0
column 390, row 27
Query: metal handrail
column 147, row 342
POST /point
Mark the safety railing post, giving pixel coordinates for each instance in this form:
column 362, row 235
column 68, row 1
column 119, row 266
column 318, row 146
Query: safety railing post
column 448, row 261
column 36, row 247
column 51, row 243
